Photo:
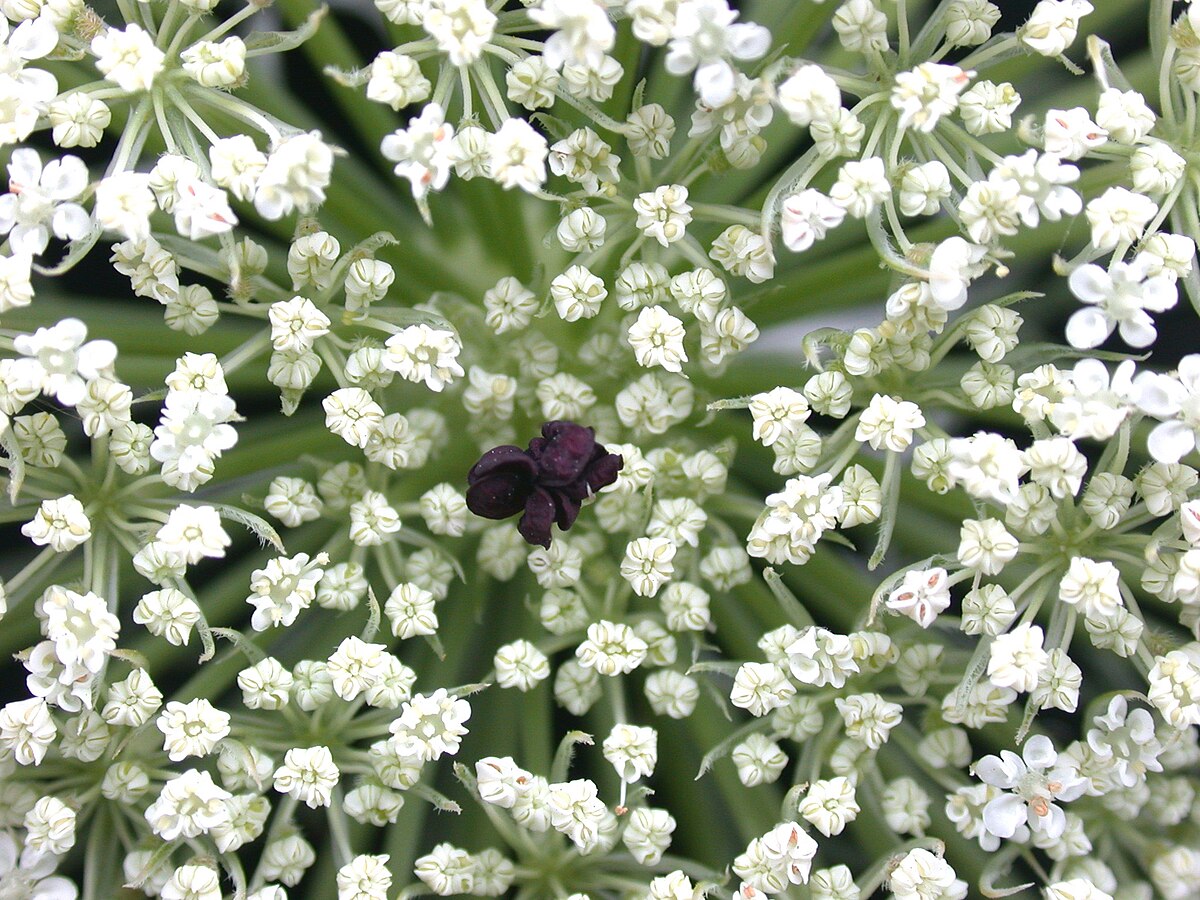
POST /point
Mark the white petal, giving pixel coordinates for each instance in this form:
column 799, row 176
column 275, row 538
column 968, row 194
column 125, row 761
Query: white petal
column 1090, row 376
column 1091, row 284
column 25, row 167
column 1170, row 441
column 33, row 38
column 747, row 41
column 65, row 179
column 1004, row 815
column 1158, row 395
column 1039, row 752
column 994, row 771
column 71, row 222
column 1189, row 371
column 1159, row 293
column 1087, row 328
column 1138, row 330
column 715, row 83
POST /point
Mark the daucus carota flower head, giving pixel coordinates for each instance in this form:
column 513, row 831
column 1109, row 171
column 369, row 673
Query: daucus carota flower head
column 881, row 498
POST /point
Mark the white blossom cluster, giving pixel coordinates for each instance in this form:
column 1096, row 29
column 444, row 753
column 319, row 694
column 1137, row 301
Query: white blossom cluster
column 262, row 629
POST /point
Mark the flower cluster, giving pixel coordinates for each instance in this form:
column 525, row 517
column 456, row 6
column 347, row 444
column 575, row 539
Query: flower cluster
column 749, row 270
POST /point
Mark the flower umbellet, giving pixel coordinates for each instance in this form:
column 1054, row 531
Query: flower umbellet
column 547, row 482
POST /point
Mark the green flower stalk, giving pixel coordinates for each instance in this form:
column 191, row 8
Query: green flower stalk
column 824, row 351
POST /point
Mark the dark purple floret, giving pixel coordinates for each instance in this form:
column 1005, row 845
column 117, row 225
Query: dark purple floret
column 549, row 481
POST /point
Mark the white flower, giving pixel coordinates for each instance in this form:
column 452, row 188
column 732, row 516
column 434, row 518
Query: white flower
column 760, row 688
column 124, row 204
column 657, row 339
column 517, row 156
column 1075, row 889
column 296, row 324
column 922, row 875
column 193, row 432
column 1176, row 402
column 1096, row 406
column 192, row 533
column 521, row 665
column 308, row 774
column 987, row 107
column 1036, row 779
column 188, row 805
column 462, row 28
column 366, row 877
column 294, row 177
column 83, row 630
column 236, row 164
column 355, row 666
column 1119, row 216
column 632, row 750
column 1117, row 298
column 26, row 92
column 1042, row 180
column 1156, row 169
column 431, row 726
column 447, row 870
column 192, row 729
column 830, row 804
column 420, row 353
column 59, row 360
column 213, row 64
column 1124, row 115
column 647, row 564
column 888, row 423
column 923, row 189
column 1017, row 658
column 704, row 37
column 664, row 213
column 922, row 596
column 61, row 524
column 49, row 828
column 927, row 93
column 1175, row 685
column 869, row 718
column 192, row 882
column 862, row 184
column 128, row 57
column 611, row 648
column 807, row 217
column 820, row 657
column 789, row 845
column 15, row 287
column 583, row 33
column 809, row 95
column 40, row 201
column 283, row 588
column 411, row 611
column 396, row 80
column 26, row 731
column 576, row 810
column 1092, row 587
column 1057, row 465
column 987, row 465
column 424, row 151
column 1071, row 133
column 1052, row 25
column 168, row 613
column 132, row 701
column 744, row 253
column 500, row 780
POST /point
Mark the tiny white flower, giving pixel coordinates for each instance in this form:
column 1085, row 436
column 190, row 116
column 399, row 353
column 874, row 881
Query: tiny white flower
column 128, row 57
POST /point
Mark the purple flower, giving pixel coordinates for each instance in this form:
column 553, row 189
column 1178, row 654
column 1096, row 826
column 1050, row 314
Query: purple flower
column 549, row 481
